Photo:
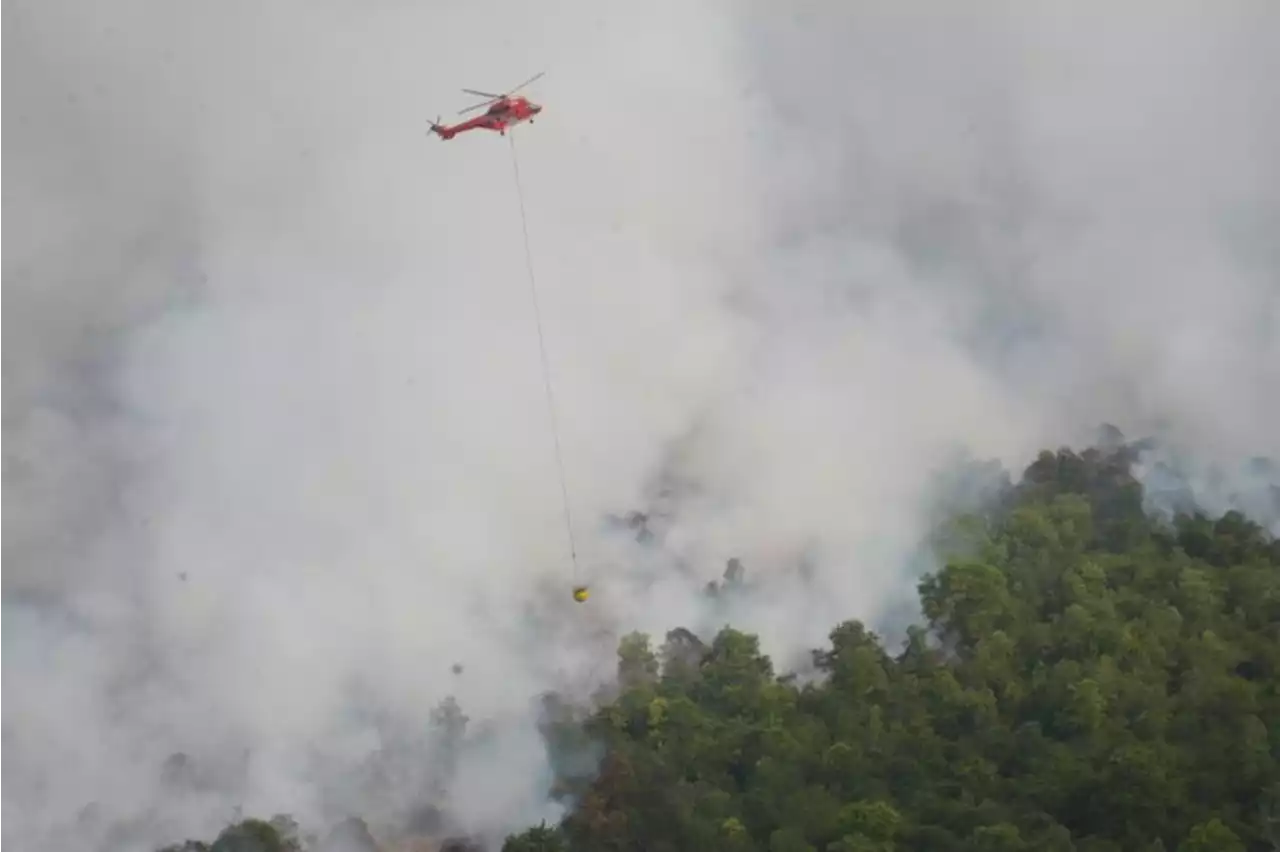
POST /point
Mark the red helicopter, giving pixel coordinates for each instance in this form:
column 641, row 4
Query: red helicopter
column 504, row 111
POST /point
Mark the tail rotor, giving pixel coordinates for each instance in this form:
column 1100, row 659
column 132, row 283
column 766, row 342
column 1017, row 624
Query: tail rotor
column 440, row 130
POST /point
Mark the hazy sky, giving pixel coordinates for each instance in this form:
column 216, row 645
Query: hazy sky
column 276, row 446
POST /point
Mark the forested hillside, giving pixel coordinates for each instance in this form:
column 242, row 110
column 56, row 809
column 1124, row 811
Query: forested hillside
column 1086, row 677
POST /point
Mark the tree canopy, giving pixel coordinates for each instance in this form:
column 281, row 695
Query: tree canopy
column 1086, row 677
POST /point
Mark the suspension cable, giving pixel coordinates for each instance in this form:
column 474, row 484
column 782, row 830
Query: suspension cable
column 546, row 367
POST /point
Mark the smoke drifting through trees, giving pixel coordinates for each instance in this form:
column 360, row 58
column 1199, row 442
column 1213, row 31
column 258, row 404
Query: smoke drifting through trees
column 264, row 334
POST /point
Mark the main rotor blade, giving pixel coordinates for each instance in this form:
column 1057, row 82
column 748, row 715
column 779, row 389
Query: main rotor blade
column 477, row 106
column 527, row 82
column 482, row 94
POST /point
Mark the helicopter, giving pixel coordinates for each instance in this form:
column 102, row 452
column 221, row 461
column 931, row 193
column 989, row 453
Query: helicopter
column 504, row 111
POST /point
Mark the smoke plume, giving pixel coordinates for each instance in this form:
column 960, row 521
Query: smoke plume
column 278, row 461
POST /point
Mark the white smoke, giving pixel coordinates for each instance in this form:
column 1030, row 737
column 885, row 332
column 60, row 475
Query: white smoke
column 277, row 446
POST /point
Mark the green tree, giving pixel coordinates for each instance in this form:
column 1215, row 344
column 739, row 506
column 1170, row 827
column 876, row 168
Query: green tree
column 1211, row 836
column 1086, row 679
column 255, row 835
column 540, row 838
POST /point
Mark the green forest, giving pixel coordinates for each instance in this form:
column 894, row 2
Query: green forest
column 1085, row 676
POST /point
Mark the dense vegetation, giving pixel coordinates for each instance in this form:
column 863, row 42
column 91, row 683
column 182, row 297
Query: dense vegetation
column 1087, row 678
